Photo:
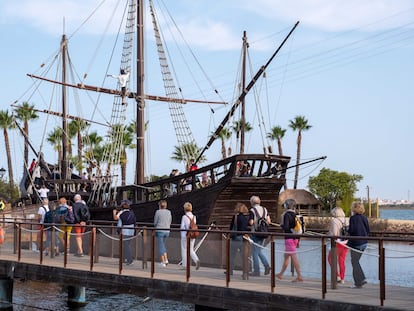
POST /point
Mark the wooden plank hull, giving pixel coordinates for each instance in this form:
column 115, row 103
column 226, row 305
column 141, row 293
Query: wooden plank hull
column 215, row 202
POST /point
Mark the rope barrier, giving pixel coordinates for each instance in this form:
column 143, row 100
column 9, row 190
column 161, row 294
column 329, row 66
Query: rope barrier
column 113, row 238
column 367, row 251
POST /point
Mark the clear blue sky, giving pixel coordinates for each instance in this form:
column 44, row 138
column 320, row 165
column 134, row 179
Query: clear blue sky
column 348, row 69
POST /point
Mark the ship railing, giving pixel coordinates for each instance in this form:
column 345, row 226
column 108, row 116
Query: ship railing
column 257, row 165
column 104, row 246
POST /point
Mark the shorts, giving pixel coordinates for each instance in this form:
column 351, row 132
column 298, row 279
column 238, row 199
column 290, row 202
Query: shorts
column 78, row 228
column 67, row 229
column 291, row 245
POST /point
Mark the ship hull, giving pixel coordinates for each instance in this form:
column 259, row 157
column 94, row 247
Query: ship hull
column 214, row 203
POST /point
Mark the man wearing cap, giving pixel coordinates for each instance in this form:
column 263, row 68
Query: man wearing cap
column 126, row 223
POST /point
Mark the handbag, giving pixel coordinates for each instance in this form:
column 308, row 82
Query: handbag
column 234, row 236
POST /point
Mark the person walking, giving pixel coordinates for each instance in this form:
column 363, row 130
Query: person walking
column 358, row 226
column 291, row 243
column 41, row 212
column 162, row 224
column 239, row 222
column 185, row 225
column 126, row 225
column 66, row 218
column 82, row 216
column 337, row 222
column 255, row 212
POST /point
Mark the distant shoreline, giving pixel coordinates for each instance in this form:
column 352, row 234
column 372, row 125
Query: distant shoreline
column 397, row 207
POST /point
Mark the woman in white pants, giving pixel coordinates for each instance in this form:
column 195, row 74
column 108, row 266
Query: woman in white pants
column 185, row 225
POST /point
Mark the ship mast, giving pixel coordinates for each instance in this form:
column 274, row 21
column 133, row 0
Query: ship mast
column 64, row 165
column 243, row 100
column 140, row 96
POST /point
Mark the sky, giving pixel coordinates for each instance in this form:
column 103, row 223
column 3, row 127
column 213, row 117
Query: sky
column 347, row 68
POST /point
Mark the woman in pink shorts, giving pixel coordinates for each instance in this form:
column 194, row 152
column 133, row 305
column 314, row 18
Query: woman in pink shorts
column 288, row 222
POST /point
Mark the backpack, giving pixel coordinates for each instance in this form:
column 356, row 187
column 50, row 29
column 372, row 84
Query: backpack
column 262, row 225
column 69, row 217
column 49, row 216
column 344, row 229
column 299, row 227
column 193, row 226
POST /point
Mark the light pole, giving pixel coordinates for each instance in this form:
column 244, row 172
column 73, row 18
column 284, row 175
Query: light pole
column 369, row 203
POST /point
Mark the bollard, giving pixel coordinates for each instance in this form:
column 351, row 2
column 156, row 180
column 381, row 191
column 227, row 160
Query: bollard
column 76, row 296
column 6, row 293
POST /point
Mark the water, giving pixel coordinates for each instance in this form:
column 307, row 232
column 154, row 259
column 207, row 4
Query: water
column 401, row 214
column 54, row 297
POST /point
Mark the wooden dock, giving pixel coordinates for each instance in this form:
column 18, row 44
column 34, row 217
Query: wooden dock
column 206, row 288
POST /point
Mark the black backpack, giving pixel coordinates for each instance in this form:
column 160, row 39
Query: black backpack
column 262, row 225
column 344, row 229
column 49, row 216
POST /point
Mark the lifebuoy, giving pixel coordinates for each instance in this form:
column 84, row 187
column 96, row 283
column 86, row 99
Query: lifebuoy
column 1, row 235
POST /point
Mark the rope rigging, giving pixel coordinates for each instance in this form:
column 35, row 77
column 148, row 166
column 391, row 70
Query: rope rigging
column 183, row 132
column 114, row 148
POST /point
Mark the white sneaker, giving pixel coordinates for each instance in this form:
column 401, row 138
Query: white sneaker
column 166, row 262
column 162, row 264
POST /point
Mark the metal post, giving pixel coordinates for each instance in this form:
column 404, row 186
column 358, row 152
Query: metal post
column 323, row 268
column 152, row 253
column 227, row 240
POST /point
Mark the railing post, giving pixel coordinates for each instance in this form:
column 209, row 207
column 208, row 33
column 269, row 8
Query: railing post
column 323, row 268
column 227, row 240
column 120, row 251
column 246, row 252
column 91, row 248
column 188, row 266
column 272, row 264
column 19, row 252
column 144, row 247
column 65, row 252
column 112, row 241
column 52, row 241
column 381, row 270
column 41, row 243
column 15, row 233
column 152, row 253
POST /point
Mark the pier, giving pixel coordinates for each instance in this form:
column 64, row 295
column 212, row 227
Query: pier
column 207, row 288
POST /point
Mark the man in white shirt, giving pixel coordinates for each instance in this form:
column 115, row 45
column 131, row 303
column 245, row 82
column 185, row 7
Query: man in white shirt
column 40, row 219
column 43, row 192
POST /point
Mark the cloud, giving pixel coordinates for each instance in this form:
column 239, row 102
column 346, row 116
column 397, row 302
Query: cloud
column 339, row 15
column 51, row 16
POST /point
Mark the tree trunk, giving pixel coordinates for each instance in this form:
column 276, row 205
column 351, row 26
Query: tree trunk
column 299, row 141
column 9, row 160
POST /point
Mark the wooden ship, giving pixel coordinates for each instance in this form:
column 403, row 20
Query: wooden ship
column 213, row 189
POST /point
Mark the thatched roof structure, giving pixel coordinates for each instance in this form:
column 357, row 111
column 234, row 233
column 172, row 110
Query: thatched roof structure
column 306, row 203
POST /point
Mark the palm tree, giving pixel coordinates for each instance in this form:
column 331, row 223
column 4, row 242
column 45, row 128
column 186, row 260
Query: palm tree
column 26, row 113
column 55, row 139
column 93, row 150
column 75, row 129
column 127, row 138
column 7, row 122
column 237, row 127
column 224, row 135
column 186, row 152
column 300, row 124
column 277, row 133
